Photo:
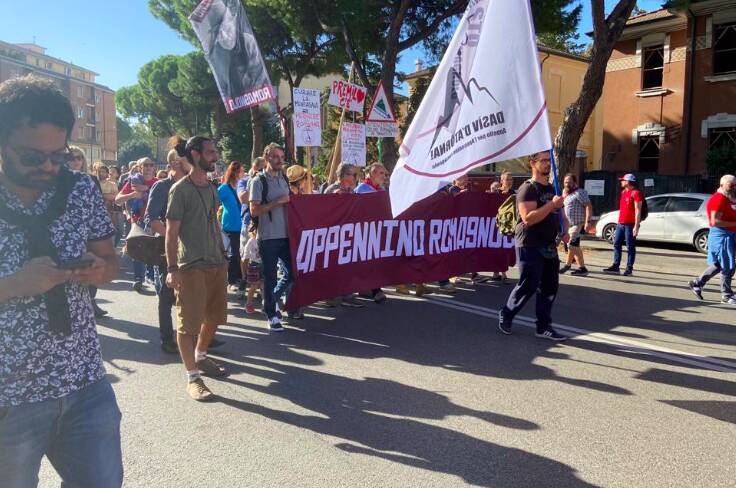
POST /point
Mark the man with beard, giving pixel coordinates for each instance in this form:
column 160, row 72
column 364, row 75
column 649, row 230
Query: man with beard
column 536, row 249
column 155, row 220
column 55, row 242
column 197, row 267
column 578, row 211
column 269, row 193
column 721, row 208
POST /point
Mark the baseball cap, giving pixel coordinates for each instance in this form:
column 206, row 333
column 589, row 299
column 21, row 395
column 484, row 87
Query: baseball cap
column 137, row 179
column 296, row 173
column 628, row 177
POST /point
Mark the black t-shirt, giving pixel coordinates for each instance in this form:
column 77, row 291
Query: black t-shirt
column 541, row 234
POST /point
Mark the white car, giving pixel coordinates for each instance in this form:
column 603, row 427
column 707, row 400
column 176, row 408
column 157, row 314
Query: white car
column 673, row 217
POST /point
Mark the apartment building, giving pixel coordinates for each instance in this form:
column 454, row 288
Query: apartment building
column 95, row 130
column 670, row 90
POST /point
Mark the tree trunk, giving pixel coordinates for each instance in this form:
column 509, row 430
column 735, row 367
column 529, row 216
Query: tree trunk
column 576, row 115
column 256, row 118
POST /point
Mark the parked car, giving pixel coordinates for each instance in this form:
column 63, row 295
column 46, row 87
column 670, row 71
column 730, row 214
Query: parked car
column 673, row 217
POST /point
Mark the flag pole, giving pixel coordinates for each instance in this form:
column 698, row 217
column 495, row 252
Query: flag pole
column 555, row 178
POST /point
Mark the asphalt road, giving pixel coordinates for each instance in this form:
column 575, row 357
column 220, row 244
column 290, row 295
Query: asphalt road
column 426, row 392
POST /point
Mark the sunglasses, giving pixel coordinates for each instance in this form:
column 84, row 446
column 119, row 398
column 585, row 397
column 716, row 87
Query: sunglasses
column 33, row 158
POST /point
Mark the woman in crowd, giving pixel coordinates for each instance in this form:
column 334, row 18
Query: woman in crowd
column 118, row 220
column 231, row 219
column 79, row 163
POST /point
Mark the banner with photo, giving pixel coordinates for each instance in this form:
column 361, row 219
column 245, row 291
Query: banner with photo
column 232, row 53
column 343, row 243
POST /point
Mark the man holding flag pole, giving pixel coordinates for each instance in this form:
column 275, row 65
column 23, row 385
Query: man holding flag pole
column 486, row 104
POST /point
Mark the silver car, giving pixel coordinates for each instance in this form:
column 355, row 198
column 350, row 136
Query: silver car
column 673, row 217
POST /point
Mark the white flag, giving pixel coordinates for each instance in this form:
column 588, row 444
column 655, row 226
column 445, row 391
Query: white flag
column 485, row 103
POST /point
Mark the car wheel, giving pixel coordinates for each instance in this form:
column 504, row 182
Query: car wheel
column 608, row 232
column 701, row 241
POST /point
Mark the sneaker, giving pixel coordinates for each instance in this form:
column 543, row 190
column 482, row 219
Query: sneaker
column 479, row 278
column 99, row 313
column 138, row 287
column 565, row 269
column 628, row 272
column 209, row 367
column 199, row 391
column 698, row 291
column 169, row 347
column 351, row 301
column 728, row 300
column 496, row 277
column 279, row 314
column 295, row 315
column 448, row 288
column 612, row 270
column 551, row 334
column 249, row 308
column 580, row 272
column 274, row 325
column 379, row 297
column 503, row 325
column 332, row 302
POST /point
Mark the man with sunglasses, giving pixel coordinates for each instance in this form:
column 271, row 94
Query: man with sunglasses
column 55, row 242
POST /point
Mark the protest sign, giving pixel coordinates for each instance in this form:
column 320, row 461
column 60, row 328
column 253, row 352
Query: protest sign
column 381, row 121
column 348, row 243
column 353, row 143
column 485, row 103
column 347, row 95
column 232, row 53
column 307, row 123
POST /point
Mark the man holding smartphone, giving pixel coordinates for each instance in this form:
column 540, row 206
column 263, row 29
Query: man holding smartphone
column 55, row 242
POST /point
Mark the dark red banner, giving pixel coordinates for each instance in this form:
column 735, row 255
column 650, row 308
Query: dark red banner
column 350, row 243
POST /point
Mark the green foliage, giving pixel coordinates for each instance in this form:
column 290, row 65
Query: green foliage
column 174, row 94
column 721, row 160
column 568, row 42
column 133, row 150
column 125, row 131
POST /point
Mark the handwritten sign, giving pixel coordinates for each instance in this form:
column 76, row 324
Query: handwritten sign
column 307, row 122
column 347, row 95
column 353, row 143
column 381, row 129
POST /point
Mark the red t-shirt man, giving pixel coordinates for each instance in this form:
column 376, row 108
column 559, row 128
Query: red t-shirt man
column 627, row 208
column 721, row 204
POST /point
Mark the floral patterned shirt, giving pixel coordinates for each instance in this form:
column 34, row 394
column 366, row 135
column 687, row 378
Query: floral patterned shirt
column 37, row 364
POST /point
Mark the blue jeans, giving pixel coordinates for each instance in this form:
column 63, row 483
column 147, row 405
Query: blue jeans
column 274, row 252
column 624, row 231
column 537, row 275
column 79, row 433
column 139, row 271
column 166, row 301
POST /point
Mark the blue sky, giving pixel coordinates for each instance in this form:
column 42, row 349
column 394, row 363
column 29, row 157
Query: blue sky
column 116, row 37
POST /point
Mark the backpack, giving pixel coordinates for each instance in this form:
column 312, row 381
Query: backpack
column 507, row 216
column 644, row 209
column 264, row 194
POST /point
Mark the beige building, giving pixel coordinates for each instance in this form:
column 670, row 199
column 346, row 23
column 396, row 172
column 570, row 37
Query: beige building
column 95, row 130
column 562, row 76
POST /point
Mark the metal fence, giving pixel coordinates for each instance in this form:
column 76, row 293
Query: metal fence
column 650, row 183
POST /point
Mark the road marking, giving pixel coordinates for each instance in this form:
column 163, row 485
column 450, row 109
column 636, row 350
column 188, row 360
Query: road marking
column 674, row 355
